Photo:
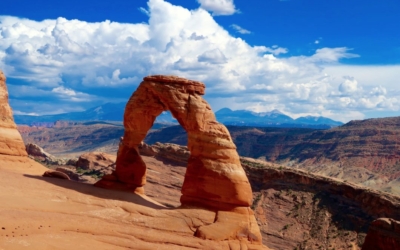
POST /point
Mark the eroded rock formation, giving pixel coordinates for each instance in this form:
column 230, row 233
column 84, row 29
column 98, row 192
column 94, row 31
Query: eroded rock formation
column 10, row 141
column 95, row 161
column 383, row 234
column 214, row 177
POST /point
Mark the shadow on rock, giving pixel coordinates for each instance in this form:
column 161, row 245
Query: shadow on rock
column 101, row 193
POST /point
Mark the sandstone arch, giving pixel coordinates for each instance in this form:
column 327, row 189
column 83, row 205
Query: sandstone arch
column 214, row 177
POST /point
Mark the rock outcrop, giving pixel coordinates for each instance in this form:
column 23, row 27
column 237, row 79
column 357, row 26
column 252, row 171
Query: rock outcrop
column 38, row 154
column 96, row 161
column 10, row 141
column 214, row 177
column 166, row 151
column 383, row 234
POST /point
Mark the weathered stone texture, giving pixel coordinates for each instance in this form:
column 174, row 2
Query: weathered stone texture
column 10, row 141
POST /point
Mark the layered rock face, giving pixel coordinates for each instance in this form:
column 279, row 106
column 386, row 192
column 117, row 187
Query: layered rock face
column 214, row 177
column 10, row 141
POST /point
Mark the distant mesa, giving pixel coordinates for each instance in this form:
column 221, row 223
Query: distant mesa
column 214, row 177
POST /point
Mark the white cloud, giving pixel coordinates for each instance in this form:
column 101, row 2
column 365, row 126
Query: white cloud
column 332, row 54
column 378, row 91
column 64, row 91
column 350, row 85
column 276, row 50
column 218, row 7
column 81, row 62
column 239, row 29
column 71, row 95
column 16, row 112
column 144, row 11
column 214, row 56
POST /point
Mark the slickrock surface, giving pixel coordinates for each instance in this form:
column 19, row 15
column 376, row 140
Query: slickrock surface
column 10, row 140
column 214, row 177
column 383, row 234
column 46, row 213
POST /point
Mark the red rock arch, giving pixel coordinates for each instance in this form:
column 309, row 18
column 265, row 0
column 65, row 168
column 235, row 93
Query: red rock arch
column 214, row 176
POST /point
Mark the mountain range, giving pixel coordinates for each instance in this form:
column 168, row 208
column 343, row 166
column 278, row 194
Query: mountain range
column 115, row 112
column 274, row 118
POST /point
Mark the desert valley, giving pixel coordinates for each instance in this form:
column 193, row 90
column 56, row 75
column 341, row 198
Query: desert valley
column 291, row 187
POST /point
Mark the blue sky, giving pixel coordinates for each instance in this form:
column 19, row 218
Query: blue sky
column 339, row 59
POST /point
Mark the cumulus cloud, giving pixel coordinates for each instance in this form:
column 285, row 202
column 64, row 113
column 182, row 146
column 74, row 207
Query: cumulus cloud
column 350, row 85
column 240, row 30
column 378, row 91
column 71, row 95
column 218, row 7
column 74, row 64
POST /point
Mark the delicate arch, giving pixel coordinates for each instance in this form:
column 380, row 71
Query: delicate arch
column 214, row 176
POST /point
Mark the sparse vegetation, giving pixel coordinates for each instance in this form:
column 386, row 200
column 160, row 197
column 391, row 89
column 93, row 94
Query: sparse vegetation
column 255, row 201
column 286, row 227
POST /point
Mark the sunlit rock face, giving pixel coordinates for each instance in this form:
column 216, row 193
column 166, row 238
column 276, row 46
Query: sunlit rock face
column 11, row 142
column 214, row 177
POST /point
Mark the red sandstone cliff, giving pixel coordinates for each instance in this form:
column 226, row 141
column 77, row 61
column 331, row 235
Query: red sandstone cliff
column 10, row 140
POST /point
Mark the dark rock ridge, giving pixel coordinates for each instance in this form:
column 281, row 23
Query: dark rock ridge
column 313, row 210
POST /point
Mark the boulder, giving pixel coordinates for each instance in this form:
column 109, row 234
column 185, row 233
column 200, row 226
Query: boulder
column 214, row 177
column 72, row 174
column 11, row 142
column 95, row 161
column 56, row 174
